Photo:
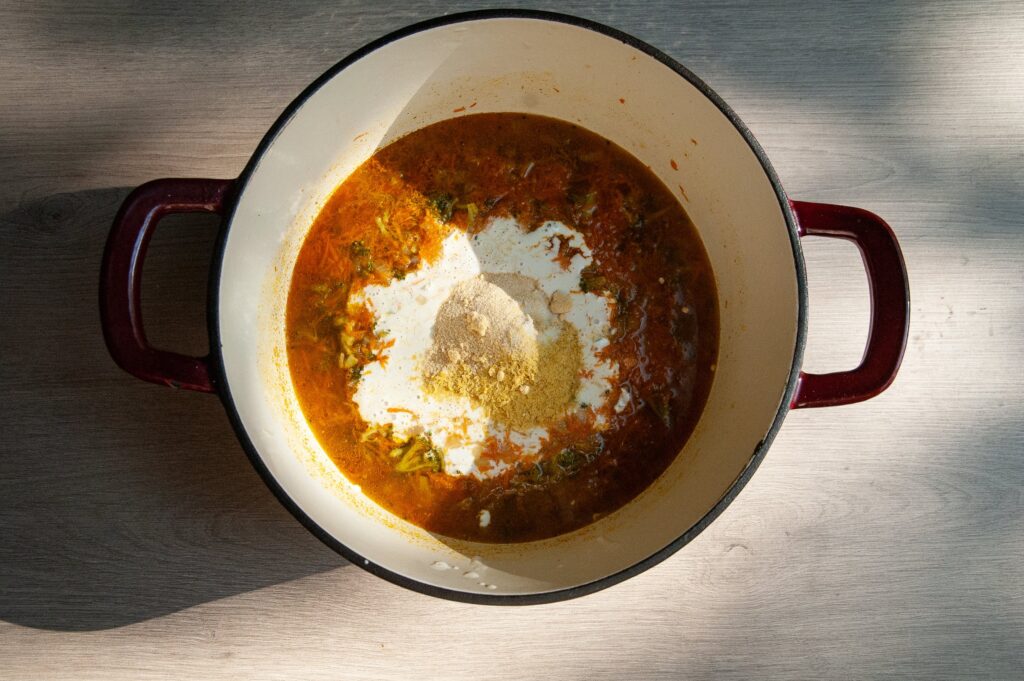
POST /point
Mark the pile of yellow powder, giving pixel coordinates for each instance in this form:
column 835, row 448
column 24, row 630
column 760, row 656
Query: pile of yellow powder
column 486, row 348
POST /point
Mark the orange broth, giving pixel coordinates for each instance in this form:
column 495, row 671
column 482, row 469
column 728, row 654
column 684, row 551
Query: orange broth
column 392, row 214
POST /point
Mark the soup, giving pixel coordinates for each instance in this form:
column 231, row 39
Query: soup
column 502, row 327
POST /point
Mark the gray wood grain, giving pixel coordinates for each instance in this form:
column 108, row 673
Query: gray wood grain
column 878, row 540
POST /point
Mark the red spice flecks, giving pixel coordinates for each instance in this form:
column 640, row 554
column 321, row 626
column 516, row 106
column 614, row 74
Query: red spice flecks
column 459, row 110
column 472, row 105
column 672, row 162
column 565, row 252
column 555, row 89
column 621, row 100
column 684, row 193
column 693, row 141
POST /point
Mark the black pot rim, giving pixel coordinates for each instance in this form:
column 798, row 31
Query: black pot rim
column 224, row 390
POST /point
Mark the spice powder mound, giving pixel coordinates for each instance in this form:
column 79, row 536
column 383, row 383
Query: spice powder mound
column 521, row 369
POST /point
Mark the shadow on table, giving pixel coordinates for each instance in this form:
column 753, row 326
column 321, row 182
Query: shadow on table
column 120, row 501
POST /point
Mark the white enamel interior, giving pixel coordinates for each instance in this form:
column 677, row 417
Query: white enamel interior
column 571, row 73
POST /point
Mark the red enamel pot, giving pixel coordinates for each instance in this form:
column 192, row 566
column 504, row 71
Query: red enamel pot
column 534, row 62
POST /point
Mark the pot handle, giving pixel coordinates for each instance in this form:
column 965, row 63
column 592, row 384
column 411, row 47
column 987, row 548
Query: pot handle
column 890, row 305
column 121, row 279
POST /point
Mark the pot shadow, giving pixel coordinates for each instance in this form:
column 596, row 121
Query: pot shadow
column 122, row 500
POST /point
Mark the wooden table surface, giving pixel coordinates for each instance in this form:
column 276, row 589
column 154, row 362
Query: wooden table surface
column 880, row 540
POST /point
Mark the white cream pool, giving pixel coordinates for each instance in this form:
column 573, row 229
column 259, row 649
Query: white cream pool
column 392, row 393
